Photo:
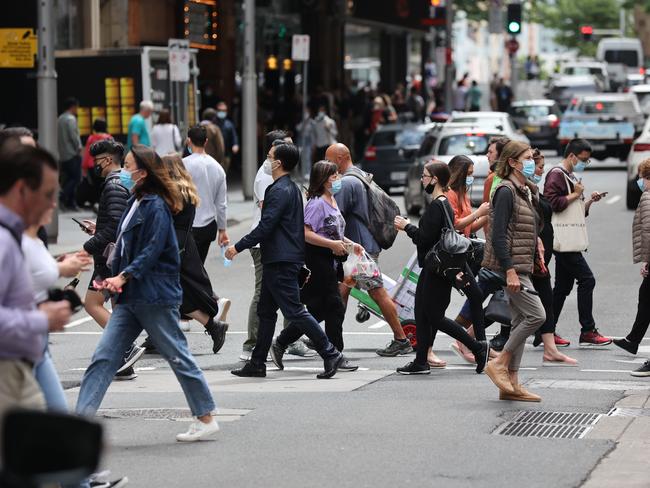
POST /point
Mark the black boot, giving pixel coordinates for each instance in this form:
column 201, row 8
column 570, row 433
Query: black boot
column 217, row 331
column 250, row 370
column 482, row 357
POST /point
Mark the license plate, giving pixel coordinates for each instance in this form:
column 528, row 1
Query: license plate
column 398, row 175
column 531, row 128
column 598, row 147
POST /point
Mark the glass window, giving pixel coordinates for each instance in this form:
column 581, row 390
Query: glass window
column 409, row 138
column 628, row 57
column 533, row 111
column 464, row 144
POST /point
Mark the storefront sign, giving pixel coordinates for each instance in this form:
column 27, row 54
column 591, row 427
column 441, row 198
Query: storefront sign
column 18, row 47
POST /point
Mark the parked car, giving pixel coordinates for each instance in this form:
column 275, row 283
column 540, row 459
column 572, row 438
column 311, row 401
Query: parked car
column 564, row 89
column 390, row 152
column 539, row 120
column 632, row 80
column 640, row 152
column 642, row 93
column 450, row 141
column 500, row 121
column 608, row 121
column 588, row 68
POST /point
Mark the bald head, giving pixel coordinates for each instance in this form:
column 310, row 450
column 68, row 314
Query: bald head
column 340, row 155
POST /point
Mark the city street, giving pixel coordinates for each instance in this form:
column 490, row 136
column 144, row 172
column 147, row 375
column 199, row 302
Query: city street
column 372, row 427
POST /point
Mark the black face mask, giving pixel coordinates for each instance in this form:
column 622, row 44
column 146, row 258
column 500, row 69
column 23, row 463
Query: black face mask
column 429, row 188
column 98, row 171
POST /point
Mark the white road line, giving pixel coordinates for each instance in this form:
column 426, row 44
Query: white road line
column 604, row 371
column 78, row 322
column 378, row 325
column 613, row 200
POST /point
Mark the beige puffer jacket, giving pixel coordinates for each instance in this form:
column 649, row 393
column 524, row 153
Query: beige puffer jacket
column 641, row 230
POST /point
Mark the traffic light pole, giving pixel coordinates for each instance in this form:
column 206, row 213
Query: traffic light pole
column 249, row 92
column 449, row 62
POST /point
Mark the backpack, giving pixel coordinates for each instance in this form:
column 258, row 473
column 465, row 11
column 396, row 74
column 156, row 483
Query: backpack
column 382, row 211
column 448, row 257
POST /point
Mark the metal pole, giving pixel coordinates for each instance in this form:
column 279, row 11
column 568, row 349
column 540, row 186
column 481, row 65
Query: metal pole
column 449, row 63
column 621, row 22
column 514, row 74
column 249, row 92
column 46, row 89
column 305, row 71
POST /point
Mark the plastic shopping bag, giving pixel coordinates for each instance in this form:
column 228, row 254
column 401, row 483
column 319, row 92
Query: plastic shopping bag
column 359, row 267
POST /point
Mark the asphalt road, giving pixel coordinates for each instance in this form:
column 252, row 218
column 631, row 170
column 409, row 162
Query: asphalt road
column 373, row 428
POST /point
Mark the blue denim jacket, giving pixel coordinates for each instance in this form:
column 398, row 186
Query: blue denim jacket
column 148, row 251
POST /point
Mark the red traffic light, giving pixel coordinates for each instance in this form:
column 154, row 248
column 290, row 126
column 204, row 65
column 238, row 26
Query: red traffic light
column 587, row 30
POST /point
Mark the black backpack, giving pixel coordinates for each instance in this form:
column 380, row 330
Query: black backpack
column 382, row 211
column 448, row 257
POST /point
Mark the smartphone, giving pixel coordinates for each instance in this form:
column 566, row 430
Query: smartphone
column 83, row 226
column 603, row 194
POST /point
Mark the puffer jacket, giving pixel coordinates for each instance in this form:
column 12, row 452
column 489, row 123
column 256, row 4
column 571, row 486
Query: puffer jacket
column 112, row 204
column 641, row 230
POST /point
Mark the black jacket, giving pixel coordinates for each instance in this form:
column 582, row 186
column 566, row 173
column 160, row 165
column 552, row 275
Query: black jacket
column 429, row 229
column 112, row 203
column 281, row 231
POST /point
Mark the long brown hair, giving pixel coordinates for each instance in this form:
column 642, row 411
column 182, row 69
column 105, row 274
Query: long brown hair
column 459, row 167
column 439, row 170
column 158, row 181
column 320, row 173
column 182, row 178
column 512, row 150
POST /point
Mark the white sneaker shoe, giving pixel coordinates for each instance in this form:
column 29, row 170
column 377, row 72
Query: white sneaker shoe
column 224, row 305
column 185, row 325
column 198, row 430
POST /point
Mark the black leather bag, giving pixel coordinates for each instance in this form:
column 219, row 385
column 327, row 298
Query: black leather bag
column 475, row 255
column 498, row 308
column 448, row 257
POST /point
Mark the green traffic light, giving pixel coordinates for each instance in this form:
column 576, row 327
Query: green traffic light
column 514, row 27
column 282, row 32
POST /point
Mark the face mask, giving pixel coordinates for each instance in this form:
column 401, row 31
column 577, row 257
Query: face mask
column 641, row 184
column 529, row 168
column 189, row 149
column 221, row 114
column 580, row 166
column 536, row 179
column 98, row 170
column 429, row 188
column 336, row 186
column 469, row 180
column 126, row 179
column 268, row 167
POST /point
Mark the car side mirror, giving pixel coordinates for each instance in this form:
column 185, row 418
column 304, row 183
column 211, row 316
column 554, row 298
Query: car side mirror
column 49, row 448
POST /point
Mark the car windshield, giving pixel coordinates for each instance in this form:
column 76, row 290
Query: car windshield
column 464, row 144
column 583, row 70
column 409, row 137
column 608, row 107
column 481, row 121
column 533, row 111
column 628, row 57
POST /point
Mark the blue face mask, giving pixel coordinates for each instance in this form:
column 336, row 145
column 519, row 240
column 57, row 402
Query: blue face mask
column 580, row 166
column 537, row 179
column 641, row 184
column 529, row 168
column 336, row 186
column 126, row 179
column 469, row 180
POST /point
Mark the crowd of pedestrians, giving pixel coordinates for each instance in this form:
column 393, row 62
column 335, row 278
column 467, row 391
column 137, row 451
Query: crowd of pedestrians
column 158, row 214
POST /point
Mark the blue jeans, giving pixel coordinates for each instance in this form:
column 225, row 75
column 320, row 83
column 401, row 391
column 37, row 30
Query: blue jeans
column 124, row 326
column 49, row 381
column 280, row 290
column 569, row 268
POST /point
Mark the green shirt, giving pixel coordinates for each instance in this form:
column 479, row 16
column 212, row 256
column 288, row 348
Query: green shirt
column 138, row 126
column 474, row 96
column 496, row 181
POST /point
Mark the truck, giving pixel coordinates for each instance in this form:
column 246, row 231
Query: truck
column 608, row 121
column 623, row 55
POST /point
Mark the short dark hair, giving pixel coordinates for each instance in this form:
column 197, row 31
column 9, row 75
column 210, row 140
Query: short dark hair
column 209, row 114
column 576, row 146
column 99, row 125
column 288, row 155
column 21, row 162
column 198, row 135
column 274, row 135
column 108, row 146
column 69, row 103
column 14, row 133
column 499, row 142
column 164, row 116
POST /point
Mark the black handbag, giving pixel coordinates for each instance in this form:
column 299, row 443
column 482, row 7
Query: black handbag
column 448, row 257
column 498, row 308
column 475, row 255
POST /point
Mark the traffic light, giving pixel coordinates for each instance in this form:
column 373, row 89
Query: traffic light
column 513, row 18
column 586, row 31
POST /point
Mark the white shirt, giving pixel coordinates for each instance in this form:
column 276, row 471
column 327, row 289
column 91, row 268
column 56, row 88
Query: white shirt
column 126, row 221
column 262, row 182
column 210, row 180
column 42, row 266
column 165, row 139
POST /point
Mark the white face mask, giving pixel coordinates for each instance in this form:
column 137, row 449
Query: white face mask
column 268, row 166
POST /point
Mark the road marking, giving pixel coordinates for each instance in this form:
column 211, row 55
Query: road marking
column 378, row 325
column 631, row 361
column 604, row 371
column 613, row 200
column 78, row 322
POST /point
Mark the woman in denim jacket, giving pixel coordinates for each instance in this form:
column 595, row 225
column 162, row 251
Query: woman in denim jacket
column 146, row 282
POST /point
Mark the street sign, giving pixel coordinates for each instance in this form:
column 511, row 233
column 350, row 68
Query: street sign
column 179, row 60
column 18, row 46
column 512, row 45
column 300, row 47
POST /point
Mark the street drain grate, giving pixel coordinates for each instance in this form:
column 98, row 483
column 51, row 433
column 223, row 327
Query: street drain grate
column 179, row 414
column 629, row 412
column 549, row 425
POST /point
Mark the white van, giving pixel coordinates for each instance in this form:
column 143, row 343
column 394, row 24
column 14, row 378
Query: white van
column 623, row 55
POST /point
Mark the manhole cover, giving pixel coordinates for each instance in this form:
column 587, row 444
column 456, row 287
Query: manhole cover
column 549, row 425
column 629, row 412
column 183, row 414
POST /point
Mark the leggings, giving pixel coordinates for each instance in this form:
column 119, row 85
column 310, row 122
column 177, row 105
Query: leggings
column 432, row 297
column 543, row 286
column 642, row 320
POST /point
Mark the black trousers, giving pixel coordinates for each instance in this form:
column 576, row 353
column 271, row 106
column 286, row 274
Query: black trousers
column 432, row 297
column 204, row 236
column 71, row 176
column 642, row 320
column 572, row 267
column 542, row 286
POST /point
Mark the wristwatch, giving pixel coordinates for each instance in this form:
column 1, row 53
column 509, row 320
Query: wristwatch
column 126, row 276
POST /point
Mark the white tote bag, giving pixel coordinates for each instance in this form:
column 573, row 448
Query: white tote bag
column 569, row 226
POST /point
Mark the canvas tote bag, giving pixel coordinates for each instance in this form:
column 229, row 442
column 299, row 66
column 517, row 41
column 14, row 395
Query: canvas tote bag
column 569, row 226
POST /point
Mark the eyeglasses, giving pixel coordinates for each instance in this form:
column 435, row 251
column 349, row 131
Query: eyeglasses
column 424, row 175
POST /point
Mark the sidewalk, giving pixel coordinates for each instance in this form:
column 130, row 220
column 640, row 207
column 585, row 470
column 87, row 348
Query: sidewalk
column 71, row 237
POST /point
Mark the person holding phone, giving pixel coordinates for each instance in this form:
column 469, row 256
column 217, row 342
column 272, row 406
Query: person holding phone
column 107, row 155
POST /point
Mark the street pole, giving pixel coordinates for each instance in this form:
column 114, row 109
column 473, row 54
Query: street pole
column 46, row 89
column 514, row 74
column 449, row 64
column 249, row 91
column 305, row 72
column 621, row 22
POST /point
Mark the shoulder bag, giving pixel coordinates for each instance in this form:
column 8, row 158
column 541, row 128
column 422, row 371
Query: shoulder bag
column 569, row 226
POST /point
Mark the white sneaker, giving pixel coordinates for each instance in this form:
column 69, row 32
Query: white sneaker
column 185, row 325
column 198, row 430
column 224, row 305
